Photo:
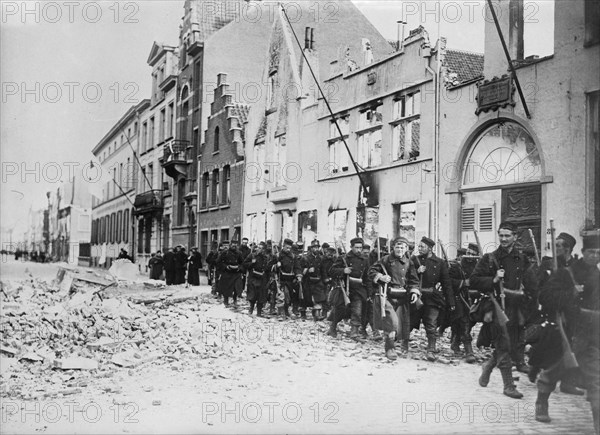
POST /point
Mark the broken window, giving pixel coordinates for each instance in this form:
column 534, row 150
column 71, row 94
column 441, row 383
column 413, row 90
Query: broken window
column 338, row 155
column 369, row 149
column 405, row 220
column 307, row 226
column 406, row 133
column 280, row 161
column 337, row 222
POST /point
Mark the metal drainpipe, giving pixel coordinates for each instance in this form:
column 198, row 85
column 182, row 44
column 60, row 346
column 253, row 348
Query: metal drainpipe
column 436, row 143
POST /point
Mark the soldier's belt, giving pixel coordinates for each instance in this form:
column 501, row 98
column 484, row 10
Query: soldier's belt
column 258, row 273
column 287, row 274
column 314, row 278
column 513, row 293
column 396, row 292
column 427, row 291
column 355, row 281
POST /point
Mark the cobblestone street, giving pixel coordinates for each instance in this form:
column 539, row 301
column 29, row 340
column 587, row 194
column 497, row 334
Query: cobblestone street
column 266, row 376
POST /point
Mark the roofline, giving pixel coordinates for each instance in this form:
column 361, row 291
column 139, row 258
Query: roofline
column 132, row 112
column 163, row 49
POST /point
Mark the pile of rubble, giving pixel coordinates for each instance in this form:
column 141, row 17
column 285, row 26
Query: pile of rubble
column 81, row 327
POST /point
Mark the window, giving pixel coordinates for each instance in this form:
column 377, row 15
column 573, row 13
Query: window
column 338, row 155
column 406, row 133
column 151, row 133
column 114, row 183
column 112, row 228
column 226, row 184
column 206, row 189
column 215, row 187
column 144, row 136
column 162, row 125
column 93, row 239
column 538, row 29
column 140, row 239
column 170, row 124
column 150, row 175
column 216, row 140
column 405, row 220
column 120, row 179
column 224, row 234
column 592, row 22
column 371, row 117
column 148, row 234
column 338, row 220
column 120, row 229
column 369, row 149
column 281, row 160
column 128, row 133
column 128, row 181
column 135, row 127
column 197, row 82
column 126, row 226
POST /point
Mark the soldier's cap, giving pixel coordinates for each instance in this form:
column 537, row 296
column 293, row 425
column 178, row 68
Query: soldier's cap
column 366, row 246
column 428, row 241
column 400, row 240
column 288, row 242
column 567, row 238
column 263, row 244
column 269, row 242
column 300, row 244
column 508, row 226
column 194, row 249
column 474, row 247
column 591, row 241
column 225, row 242
column 461, row 251
column 356, row 240
column 332, row 249
column 316, row 243
column 325, row 245
column 245, row 238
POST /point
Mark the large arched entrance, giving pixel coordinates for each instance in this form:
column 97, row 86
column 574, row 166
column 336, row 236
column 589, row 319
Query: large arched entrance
column 500, row 180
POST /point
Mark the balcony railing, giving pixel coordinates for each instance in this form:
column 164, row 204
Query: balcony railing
column 148, row 201
column 176, row 151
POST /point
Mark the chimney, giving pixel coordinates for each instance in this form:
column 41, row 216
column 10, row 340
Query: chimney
column 221, row 79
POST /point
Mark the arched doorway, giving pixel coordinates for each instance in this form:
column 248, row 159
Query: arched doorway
column 501, row 180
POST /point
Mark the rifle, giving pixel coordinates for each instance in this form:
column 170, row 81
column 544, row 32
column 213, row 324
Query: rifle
column 568, row 358
column 382, row 290
column 441, row 245
column 535, row 249
column 478, row 241
column 347, row 289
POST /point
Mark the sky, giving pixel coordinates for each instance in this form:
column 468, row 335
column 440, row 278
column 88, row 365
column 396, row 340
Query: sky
column 70, row 70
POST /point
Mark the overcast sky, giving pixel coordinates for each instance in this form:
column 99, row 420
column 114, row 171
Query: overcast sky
column 59, row 54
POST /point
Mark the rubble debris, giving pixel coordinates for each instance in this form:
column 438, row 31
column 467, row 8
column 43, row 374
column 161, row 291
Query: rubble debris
column 75, row 363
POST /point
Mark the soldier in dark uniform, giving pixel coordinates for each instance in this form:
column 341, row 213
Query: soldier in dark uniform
column 273, row 277
column 156, row 265
column 508, row 267
column 211, row 260
column 352, row 268
column 297, row 299
column 169, row 260
column 314, row 294
column 288, row 269
column 245, row 251
column 460, row 323
column 436, row 292
column 229, row 265
column 194, row 265
column 561, row 296
column 257, row 266
column 326, row 263
column 397, row 271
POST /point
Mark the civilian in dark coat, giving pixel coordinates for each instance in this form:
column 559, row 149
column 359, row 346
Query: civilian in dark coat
column 169, row 263
column 156, row 264
column 194, row 265
column 180, row 264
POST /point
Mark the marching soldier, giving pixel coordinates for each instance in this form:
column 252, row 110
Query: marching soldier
column 326, row 263
column 354, row 266
column 436, row 292
column 396, row 273
column 288, row 269
column 211, row 259
column 257, row 265
column 460, row 323
column 314, row 293
column 504, row 271
column 229, row 265
column 581, row 310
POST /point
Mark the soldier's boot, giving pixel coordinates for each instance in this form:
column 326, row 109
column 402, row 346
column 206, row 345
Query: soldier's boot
column 354, row 332
column 509, row 384
column 455, row 345
column 541, row 408
column 470, row 358
column 303, row 314
column 486, row 371
column 324, row 314
column 332, row 330
column 431, row 349
column 404, row 345
column 251, row 309
column 390, row 349
column 317, row 314
column 522, row 367
column 259, row 308
column 363, row 332
column 377, row 335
